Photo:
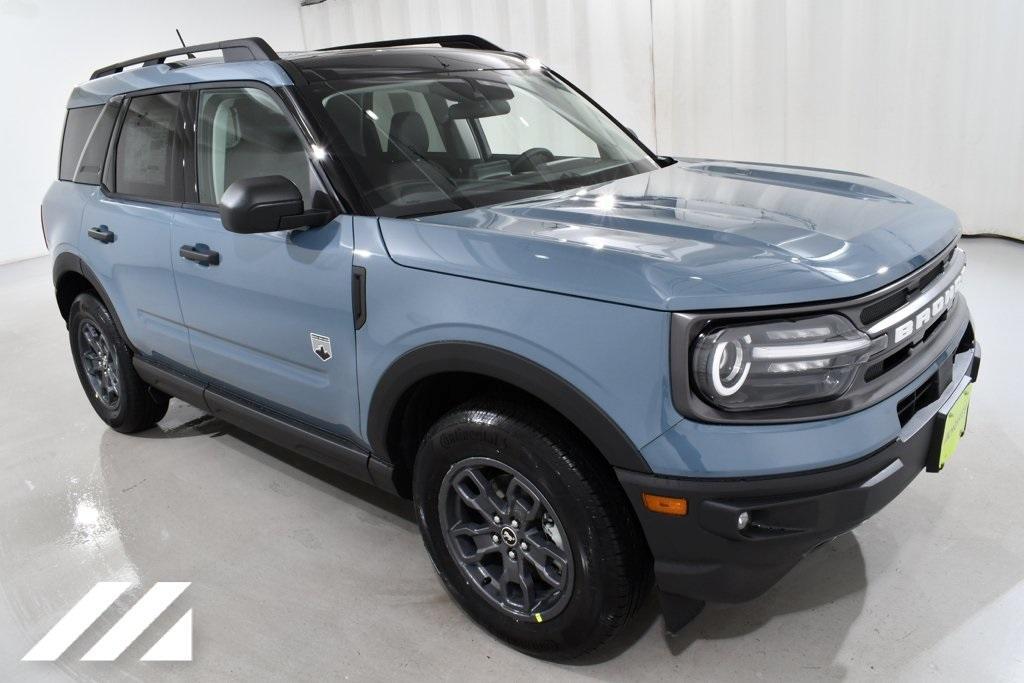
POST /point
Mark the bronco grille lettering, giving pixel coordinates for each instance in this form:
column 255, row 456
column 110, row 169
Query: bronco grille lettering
column 921, row 312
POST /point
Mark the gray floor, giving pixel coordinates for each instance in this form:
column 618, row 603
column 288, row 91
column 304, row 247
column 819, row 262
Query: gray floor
column 298, row 574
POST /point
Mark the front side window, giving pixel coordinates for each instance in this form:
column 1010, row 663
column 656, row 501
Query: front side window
column 148, row 159
column 420, row 144
column 244, row 133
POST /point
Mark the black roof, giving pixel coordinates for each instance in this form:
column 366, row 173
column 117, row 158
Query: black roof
column 463, row 40
column 406, row 55
column 338, row 64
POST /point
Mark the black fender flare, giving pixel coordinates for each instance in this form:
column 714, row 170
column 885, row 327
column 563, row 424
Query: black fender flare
column 68, row 262
column 65, row 263
column 496, row 363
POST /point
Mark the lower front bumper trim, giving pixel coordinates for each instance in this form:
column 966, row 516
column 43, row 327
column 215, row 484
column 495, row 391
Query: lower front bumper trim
column 710, row 555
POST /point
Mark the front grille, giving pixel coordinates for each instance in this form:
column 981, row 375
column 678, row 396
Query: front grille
column 925, row 394
column 893, row 361
column 886, row 364
column 883, row 307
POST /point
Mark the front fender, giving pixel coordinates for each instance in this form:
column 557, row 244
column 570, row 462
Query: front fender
column 496, row 363
column 603, row 365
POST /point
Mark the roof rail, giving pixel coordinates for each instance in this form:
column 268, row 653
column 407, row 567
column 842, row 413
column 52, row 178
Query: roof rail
column 238, row 50
column 463, row 40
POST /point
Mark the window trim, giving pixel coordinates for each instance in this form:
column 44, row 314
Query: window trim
column 660, row 161
column 60, row 152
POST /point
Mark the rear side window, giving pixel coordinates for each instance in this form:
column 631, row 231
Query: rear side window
column 148, row 162
column 90, row 166
column 77, row 127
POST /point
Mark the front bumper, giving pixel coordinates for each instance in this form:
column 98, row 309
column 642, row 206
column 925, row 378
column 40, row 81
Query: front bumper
column 702, row 556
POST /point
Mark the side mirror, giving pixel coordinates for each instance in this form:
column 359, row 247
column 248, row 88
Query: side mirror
column 266, row 204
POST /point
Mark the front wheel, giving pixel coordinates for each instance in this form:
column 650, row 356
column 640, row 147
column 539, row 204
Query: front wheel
column 528, row 530
column 104, row 364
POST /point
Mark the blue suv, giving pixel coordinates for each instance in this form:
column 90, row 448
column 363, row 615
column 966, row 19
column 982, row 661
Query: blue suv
column 441, row 268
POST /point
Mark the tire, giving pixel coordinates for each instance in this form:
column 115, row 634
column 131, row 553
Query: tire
column 104, row 364
column 491, row 444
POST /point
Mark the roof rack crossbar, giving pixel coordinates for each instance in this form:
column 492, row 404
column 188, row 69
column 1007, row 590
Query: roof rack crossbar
column 463, row 40
column 238, row 50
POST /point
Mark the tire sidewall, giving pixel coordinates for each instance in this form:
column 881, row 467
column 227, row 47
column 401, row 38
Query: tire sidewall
column 541, row 462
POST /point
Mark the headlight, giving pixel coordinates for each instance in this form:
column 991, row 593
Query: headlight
column 765, row 365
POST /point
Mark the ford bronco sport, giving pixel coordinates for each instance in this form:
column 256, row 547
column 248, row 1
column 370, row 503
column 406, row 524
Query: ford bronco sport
column 439, row 267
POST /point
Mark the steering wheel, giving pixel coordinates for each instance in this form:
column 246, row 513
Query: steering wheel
column 531, row 158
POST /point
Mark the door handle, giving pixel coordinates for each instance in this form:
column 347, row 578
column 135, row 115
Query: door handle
column 101, row 233
column 199, row 254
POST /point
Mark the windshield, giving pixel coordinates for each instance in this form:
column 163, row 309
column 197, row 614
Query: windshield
column 449, row 141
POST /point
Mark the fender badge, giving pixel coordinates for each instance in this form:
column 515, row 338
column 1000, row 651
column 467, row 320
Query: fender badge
column 321, row 346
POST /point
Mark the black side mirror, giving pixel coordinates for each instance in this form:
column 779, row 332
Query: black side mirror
column 266, row 204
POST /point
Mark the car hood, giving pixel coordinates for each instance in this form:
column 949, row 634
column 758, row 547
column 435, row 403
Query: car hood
column 696, row 235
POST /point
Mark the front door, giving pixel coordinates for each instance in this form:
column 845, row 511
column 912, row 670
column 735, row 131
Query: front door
column 270, row 318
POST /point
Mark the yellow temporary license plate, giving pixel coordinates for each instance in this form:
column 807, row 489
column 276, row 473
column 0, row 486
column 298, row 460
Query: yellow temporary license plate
column 953, row 422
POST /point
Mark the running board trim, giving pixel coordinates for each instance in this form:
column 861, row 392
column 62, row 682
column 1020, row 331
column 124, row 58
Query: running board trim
column 312, row 444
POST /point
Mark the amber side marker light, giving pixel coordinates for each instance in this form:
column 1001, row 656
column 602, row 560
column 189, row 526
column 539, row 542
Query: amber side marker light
column 666, row 505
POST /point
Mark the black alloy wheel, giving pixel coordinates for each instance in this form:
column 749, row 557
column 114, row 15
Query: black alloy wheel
column 99, row 364
column 528, row 528
column 506, row 538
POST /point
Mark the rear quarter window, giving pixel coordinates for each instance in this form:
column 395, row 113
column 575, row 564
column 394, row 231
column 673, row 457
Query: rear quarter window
column 77, row 127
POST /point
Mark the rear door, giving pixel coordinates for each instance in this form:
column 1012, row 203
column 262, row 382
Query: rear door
column 127, row 225
column 271, row 320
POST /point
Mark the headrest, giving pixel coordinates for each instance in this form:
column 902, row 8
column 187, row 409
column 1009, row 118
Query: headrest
column 408, row 129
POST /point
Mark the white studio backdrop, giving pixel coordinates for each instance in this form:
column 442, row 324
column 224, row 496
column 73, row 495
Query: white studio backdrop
column 925, row 93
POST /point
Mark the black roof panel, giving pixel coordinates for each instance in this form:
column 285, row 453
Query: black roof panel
column 329, row 65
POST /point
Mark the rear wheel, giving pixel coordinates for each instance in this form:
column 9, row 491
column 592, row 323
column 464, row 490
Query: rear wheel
column 528, row 530
column 104, row 364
